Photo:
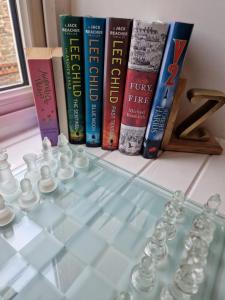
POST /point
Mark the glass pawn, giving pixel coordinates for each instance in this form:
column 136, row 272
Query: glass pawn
column 204, row 225
column 32, row 172
column 177, row 200
column 169, row 218
column 48, row 158
column 47, row 183
column 81, row 160
column 157, row 245
column 7, row 213
column 143, row 275
column 9, row 186
column 197, row 250
column 65, row 171
column 64, row 148
column 28, row 198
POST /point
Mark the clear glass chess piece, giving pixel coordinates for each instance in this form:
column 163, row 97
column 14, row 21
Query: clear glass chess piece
column 47, row 183
column 28, row 198
column 32, row 172
column 81, row 160
column 169, row 218
column 7, row 213
column 124, row 296
column 156, row 246
column 9, row 186
column 48, row 158
column 65, row 171
column 188, row 277
column 172, row 292
column 63, row 147
column 197, row 250
column 177, row 200
column 143, row 275
column 203, row 225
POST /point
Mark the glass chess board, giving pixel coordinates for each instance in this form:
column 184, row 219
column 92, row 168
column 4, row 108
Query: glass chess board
column 82, row 241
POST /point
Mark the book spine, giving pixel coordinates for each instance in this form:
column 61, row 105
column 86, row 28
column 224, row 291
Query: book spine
column 72, row 45
column 118, row 32
column 41, row 74
column 57, row 64
column 146, row 49
column 94, row 41
column 177, row 43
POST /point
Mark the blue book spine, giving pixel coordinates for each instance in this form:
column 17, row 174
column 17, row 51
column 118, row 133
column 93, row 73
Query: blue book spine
column 176, row 46
column 94, row 43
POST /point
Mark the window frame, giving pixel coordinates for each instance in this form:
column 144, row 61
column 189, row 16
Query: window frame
column 19, row 48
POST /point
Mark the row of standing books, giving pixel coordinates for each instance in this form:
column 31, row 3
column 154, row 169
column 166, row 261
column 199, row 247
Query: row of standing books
column 114, row 86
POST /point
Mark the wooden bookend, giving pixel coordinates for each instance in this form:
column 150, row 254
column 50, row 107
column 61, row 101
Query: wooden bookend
column 189, row 136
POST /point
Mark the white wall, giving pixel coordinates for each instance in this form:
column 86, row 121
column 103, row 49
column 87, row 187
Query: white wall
column 205, row 60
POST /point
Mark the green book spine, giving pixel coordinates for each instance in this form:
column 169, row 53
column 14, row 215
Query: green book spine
column 72, row 45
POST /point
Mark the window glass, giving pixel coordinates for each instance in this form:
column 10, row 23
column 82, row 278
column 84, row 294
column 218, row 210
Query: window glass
column 10, row 74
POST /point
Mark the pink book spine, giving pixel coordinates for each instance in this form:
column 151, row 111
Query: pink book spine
column 42, row 79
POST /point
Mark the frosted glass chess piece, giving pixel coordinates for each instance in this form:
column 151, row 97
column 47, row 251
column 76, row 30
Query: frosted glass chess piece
column 65, row 171
column 204, row 225
column 197, row 249
column 156, row 246
column 48, row 158
column 47, row 183
column 64, row 148
column 7, row 214
column 143, row 275
column 28, row 198
column 81, row 160
column 32, row 172
column 9, row 186
column 124, row 296
column 177, row 200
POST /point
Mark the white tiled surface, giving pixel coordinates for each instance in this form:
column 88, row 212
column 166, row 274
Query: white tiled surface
column 130, row 163
column 197, row 175
column 174, row 170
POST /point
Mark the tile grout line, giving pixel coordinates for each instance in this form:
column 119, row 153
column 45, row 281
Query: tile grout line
column 196, row 177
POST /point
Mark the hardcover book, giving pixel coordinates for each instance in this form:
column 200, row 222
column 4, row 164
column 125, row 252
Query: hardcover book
column 72, row 45
column 146, row 49
column 118, row 32
column 41, row 74
column 176, row 47
column 94, row 41
column 57, row 65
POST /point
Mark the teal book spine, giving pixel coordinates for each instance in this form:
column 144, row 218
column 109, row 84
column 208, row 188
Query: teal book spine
column 73, row 62
column 94, row 43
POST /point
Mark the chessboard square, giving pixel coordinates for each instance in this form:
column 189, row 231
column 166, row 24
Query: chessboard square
column 86, row 245
column 39, row 288
column 63, row 270
column 12, row 268
column 6, row 252
column 67, row 200
column 129, row 241
column 90, row 286
column 23, row 279
column 84, row 211
column 157, row 205
column 143, row 221
column 65, row 229
column 47, row 214
column 21, row 233
column 41, row 250
column 83, row 187
column 113, row 265
column 107, row 226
